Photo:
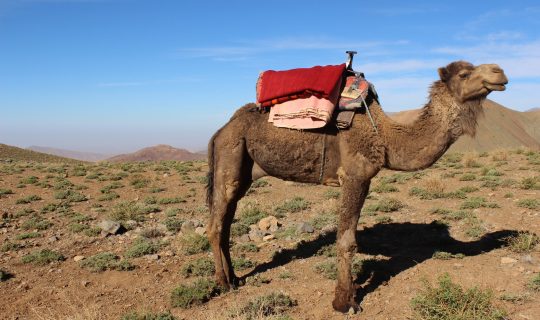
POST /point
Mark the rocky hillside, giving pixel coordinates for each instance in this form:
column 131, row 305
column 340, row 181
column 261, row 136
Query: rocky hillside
column 15, row 153
column 500, row 127
column 159, row 152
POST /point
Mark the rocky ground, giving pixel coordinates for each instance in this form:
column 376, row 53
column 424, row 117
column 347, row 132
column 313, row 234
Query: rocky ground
column 99, row 241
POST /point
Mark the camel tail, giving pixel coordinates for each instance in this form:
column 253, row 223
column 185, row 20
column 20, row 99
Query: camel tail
column 210, row 175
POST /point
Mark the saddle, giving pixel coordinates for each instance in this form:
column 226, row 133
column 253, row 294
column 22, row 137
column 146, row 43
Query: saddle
column 309, row 98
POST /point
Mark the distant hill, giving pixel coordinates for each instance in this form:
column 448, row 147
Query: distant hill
column 499, row 128
column 79, row 155
column 15, row 153
column 157, row 153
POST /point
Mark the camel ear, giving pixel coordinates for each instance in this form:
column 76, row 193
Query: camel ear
column 443, row 74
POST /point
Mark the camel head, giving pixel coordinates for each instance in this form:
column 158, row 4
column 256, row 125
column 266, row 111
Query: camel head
column 467, row 82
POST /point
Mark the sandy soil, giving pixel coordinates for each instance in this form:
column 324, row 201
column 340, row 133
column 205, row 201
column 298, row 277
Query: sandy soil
column 400, row 244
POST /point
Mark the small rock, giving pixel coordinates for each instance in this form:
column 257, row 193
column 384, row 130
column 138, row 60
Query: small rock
column 200, row 230
column 85, row 283
column 269, row 237
column 165, row 175
column 508, row 260
column 256, row 235
column 244, row 238
column 188, row 226
column 78, row 258
column 351, row 311
column 131, row 224
column 52, row 239
column 304, row 227
column 269, row 223
column 527, row 258
column 153, row 257
column 109, row 226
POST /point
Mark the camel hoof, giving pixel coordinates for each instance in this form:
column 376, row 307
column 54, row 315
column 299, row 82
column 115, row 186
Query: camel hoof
column 345, row 304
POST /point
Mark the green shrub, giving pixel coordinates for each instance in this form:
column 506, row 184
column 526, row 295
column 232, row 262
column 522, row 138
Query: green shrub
column 385, row 205
column 293, row 205
column 4, row 192
column 194, row 243
column 332, row 194
column 173, row 224
column 274, row 304
column 442, row 255
column 105, row 261
column 324, row 219
column 28, row 235
column 522, row 242
column 197, row 293
column 201, row 267
column 450, row 301
column 139, row 182
column 251, row 213
column 384, row 188
column 246, row 247
column 534, row 283
column 28, row 199
column 36, row 223
column 70, row 196
column 30, row 180
column 142, row 246
column 528, row 203
column 477, row 202
column 242, row 263
column 239, row 229
column 171, row 200
column 259, row 183
column 130, row 210
column 43, row 257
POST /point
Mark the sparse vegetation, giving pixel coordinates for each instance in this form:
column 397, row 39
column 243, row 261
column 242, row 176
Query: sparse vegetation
column 195, row 243
column 148, row 316
column 106, row 261
column 274, row 304
column 450, row 301
column 522, row 242
column 196, row 293
column 203, row 267
column 293, row 205
column 42, row 257
column 529, row 203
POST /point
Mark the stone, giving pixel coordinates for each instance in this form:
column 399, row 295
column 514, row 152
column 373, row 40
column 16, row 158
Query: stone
column 131, row 224
column 78, row 258
column 154, row 257
column 110, row 226
column 304, row 227
column 200, row 230
column 256, row 235
column 508, row 260
column 269, row 223
column 53, row 239
column 269, row 237
column 329, row 228
column 188, row 226
column 244, row 238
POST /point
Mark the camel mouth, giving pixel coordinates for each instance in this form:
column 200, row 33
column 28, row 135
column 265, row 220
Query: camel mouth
column 495, row 86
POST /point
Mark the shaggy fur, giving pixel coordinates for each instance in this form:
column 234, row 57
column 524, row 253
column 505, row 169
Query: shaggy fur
column 248, row 147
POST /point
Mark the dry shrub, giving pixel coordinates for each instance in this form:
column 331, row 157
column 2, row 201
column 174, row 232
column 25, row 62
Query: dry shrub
column 500, row 155
column 470, row 160
column 434, row 185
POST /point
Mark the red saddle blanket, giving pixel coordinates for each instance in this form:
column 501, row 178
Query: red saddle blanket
column 279, row 86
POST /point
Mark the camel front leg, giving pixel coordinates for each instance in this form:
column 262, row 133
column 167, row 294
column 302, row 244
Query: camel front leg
column 354, row 194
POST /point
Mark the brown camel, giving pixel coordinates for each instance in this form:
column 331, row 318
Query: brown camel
column 248, row 147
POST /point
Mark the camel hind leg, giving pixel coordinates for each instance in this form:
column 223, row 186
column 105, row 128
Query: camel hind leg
column 231, row 178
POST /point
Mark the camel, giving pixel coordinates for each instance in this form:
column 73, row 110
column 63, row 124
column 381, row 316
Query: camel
column 248, row 148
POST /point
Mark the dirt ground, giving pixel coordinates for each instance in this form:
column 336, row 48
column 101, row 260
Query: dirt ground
column 400, row 244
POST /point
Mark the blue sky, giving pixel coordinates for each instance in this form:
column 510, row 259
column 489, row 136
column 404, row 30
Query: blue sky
column 118, row 75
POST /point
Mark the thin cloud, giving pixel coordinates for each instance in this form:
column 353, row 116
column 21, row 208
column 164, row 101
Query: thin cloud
column 244, row 50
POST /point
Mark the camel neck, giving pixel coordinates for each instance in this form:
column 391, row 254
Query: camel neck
column 418, row 145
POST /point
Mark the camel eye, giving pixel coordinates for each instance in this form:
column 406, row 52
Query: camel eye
column 464, row 75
